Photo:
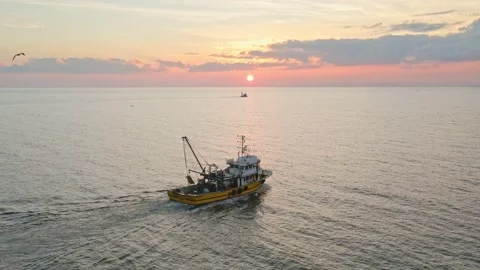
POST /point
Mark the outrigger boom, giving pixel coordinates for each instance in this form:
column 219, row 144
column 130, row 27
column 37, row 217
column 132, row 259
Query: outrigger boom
column 241, row 177
column 185, row 139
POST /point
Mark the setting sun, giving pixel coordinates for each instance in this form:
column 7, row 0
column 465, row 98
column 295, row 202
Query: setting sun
column 250, row 77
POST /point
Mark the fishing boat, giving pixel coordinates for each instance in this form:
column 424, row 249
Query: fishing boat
column 242, row 176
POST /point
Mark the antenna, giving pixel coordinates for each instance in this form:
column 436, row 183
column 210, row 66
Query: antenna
column 243, row 148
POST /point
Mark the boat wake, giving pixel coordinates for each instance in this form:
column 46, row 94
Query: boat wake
column 53, row 208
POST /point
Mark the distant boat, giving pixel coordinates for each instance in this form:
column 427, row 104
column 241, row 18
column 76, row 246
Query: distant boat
column 243, row 94
column 243, row 176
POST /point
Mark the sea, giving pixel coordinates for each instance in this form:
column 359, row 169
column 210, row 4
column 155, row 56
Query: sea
column 363, row 178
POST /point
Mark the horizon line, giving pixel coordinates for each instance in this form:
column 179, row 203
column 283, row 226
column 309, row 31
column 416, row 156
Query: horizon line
column 243, row 87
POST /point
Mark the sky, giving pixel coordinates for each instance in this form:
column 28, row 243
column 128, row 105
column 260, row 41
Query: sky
column 112, row 43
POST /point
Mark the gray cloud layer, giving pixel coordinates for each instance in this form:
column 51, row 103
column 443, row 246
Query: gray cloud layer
column 74, row 65
column 171, row 64
column 412, row 26
column 389, row 49
column 216, row 66
column 418, row 27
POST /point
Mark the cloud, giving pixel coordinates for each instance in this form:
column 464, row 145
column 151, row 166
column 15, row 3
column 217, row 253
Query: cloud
column 194, row 11
column 435, row 13
column 418, row 27
column 78, row 66
column 119, row 66
column 285, row 57
column 373, row 26
column 296, row 54
column 414, row 27
column 167, row 10
column 313, row 62
column 231, row 56
column 91, row 66
column 172, row 64
column 472, row 29
column 217, row 66
column 35, row 25
column 384, row 50
column 190, row 53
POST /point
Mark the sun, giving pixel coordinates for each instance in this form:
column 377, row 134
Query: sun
column 250, row 77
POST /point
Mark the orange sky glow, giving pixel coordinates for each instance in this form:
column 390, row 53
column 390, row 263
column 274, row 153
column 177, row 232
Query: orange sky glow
column 465, row 73
column 209, row 43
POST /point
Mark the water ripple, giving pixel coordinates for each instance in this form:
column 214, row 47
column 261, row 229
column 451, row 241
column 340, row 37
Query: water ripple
column 363, row 179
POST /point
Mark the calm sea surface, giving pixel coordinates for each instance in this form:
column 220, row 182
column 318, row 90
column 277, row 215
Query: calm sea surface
column 363, row 178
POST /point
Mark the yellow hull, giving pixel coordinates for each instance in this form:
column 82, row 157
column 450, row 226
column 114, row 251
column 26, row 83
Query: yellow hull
column 199, row 199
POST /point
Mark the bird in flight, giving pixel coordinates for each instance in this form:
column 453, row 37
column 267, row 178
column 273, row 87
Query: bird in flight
column 18, row 54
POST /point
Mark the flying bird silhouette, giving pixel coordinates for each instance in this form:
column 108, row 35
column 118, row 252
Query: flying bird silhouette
column 18, row 54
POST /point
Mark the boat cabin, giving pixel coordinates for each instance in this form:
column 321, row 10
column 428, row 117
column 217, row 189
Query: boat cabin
column 245, row 169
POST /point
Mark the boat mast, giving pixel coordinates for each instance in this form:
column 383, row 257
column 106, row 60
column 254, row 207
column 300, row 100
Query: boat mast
column 243, row 140
column 200, row 164
column 242, row 146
